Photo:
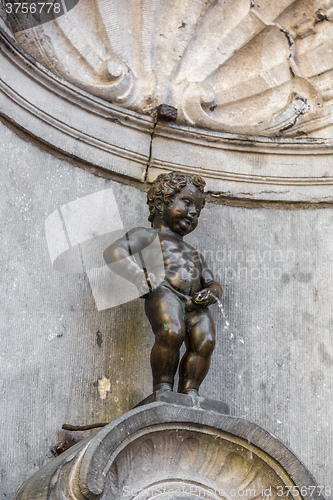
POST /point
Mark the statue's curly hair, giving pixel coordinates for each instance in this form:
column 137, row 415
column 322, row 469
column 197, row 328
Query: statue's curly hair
column 167, row 185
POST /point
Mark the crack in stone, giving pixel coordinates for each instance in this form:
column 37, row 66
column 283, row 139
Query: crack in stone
column 150, row 148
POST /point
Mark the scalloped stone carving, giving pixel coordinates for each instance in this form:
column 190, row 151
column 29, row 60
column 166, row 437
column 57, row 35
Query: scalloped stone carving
column 236, row 66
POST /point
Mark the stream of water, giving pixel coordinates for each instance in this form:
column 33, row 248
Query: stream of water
column 226, row 322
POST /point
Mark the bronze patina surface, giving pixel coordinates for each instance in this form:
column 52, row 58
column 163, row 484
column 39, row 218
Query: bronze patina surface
column 177, row 297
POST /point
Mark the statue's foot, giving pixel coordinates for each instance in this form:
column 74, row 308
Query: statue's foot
column 163, row 386
column 194, row 395
column 191, row 392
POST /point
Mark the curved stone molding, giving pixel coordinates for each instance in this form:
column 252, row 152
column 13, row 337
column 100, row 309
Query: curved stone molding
column 246, row 168
column 69, row 120
column 165, row 451
column 120, row 141
column 236, row 66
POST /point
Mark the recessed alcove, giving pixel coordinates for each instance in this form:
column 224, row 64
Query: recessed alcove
column 266, row 228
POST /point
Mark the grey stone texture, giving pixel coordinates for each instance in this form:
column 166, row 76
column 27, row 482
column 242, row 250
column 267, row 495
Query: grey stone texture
column 273, row 360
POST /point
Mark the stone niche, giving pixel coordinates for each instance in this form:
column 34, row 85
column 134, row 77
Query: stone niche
column 252, row 84
column 173, row 447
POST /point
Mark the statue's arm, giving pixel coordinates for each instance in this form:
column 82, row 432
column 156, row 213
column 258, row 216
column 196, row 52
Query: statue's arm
column 211, row 289
column 208, row 280
column 120, row 256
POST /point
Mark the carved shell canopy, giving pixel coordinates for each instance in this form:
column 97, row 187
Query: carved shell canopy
column 257, row 67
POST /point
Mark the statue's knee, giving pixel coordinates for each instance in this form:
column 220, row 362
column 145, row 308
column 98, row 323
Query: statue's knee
column 207, row 346
column 172, row 337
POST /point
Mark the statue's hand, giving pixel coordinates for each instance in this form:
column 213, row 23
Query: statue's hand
column 190, row 305
column 145, row 283
column 204, row 298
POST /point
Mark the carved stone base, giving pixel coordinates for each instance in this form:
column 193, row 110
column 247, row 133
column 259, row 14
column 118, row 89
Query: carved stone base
column 174, row 447
column 185, row 400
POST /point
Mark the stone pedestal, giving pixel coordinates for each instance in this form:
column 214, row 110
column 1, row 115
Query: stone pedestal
column 172, row 446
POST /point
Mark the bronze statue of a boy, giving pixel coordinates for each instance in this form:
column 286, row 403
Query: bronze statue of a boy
column 177, row 308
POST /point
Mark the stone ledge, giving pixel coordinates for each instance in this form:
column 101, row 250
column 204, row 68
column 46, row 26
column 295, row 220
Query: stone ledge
column 187, row 401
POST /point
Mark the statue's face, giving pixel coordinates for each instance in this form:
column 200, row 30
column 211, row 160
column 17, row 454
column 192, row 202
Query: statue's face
column 183, row 210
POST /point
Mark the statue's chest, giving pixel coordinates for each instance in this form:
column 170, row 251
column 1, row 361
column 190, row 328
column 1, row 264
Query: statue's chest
column 179, row 255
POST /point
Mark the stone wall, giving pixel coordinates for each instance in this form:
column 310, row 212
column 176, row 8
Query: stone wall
column 273, row 360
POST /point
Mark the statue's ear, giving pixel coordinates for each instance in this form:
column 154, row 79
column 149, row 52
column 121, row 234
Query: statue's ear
column 159, row 204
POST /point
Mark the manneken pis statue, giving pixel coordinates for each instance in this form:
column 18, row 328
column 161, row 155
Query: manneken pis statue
column 177, row 307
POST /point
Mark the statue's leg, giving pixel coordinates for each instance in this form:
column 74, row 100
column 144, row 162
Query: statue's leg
column 167, row 318
column 200, row 343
